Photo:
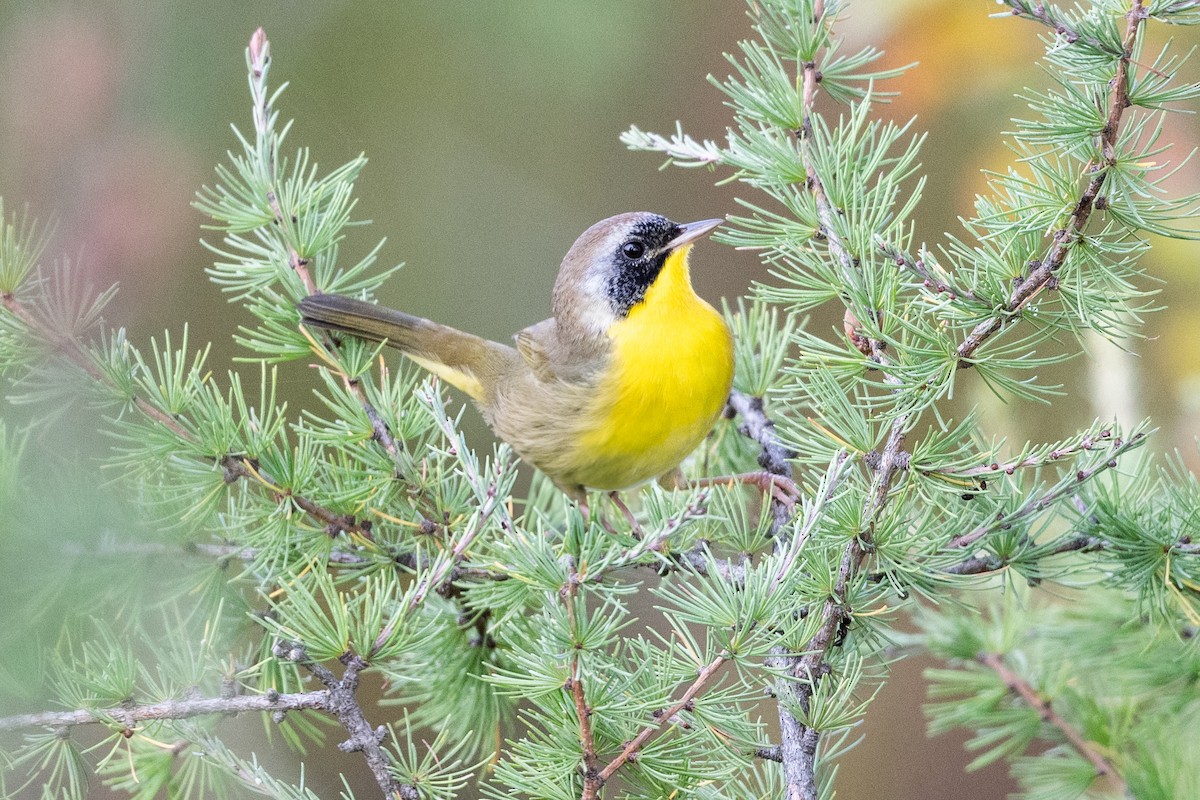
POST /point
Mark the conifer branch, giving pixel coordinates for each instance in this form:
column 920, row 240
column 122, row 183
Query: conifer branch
column 1041, row 502
column 225, row 552
column 342, row 557
column 1044, row 271
column 843, row 212
column 1019, row 686
column 756, row 425
column 285, row 221
column 828, row 488
column 338, row 699
column 769, row 753
column 343, row 704
column 799, row 742
column 1041, row 456
column 698, row 560
column 264, row 123
column 185, row 708
column 485, row 490
column 587, row 741
column 979, row 565
column 446, row 568
column 664, row 718
column 237, row 466
column 695, row 559
column 592, row 782
column 234, row 466
column 938, row 282
column 1053, row 18
column 380, row 432
column 69, row 347
column 773, row 456
column 591, row 764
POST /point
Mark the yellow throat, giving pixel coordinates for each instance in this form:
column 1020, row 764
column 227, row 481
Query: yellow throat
column 670, row 373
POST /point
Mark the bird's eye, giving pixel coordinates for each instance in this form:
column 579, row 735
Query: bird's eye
column 633, row 250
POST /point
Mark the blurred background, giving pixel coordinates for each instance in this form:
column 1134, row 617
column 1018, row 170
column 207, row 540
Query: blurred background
column 491, row 130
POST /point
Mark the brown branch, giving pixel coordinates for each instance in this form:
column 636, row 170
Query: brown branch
column 409, row 560
column 1043, row 501
column 938, row 283
column 834, row 476
column 587, row 741
column 592, row 782
column 130, row 715
column 285, row 221
column 632, row 747
column 1027, row 693
column 1044, row 271
column 1085, row 444
column 343, row 704
column 69, row 347
column 239, row 466
column 799, row 742
column 979, row 565
column 1053, row 18
column 769, row 753
column 380, row 432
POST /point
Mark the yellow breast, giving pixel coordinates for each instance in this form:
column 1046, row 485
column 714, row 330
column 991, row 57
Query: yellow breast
column 669, row 375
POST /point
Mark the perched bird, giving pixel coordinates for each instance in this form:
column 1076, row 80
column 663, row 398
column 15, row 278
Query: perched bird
column 615, row 389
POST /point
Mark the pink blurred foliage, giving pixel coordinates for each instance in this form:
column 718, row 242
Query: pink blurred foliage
column 116, row 182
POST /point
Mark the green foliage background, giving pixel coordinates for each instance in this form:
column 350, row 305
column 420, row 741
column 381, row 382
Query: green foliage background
column 492, row 137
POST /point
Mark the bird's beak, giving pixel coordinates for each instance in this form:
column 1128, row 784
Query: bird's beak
column 692, row 231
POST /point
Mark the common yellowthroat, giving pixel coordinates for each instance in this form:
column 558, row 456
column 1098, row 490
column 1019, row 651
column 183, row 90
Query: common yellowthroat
column 615, row 389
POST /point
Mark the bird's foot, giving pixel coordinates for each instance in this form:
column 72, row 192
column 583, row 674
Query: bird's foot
column 634, row 527
column 782, row 489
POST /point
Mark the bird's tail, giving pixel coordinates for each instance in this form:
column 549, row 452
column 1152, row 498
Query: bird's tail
column 468, row 362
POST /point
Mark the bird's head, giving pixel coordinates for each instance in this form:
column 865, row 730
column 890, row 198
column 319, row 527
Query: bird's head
column 613, row 264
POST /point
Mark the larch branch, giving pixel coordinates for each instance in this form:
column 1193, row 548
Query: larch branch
column 1040, row 276
column 185, row 708
column 1020, row 687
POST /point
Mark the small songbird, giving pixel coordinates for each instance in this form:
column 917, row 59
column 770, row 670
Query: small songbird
column 615, row 389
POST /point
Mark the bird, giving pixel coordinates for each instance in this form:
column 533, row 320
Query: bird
column 615, row 389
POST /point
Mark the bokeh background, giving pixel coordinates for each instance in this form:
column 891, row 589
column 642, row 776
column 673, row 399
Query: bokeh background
column 491, row 130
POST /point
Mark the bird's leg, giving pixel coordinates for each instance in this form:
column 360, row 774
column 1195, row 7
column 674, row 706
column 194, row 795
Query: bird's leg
column 600, row 517
column 634, row 527
column 579, row 495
